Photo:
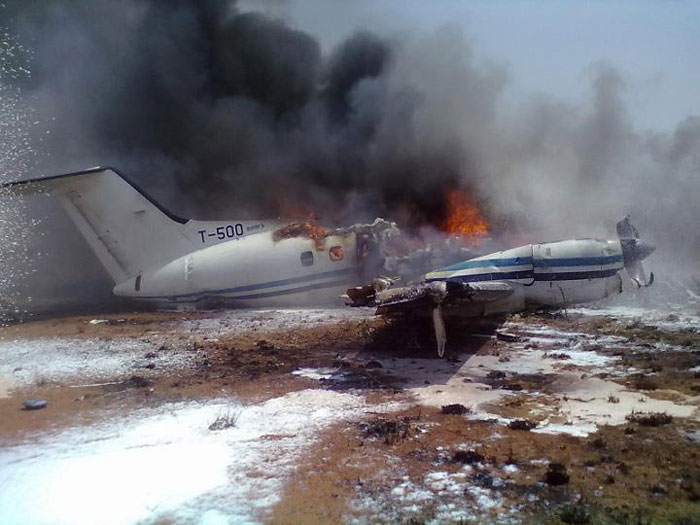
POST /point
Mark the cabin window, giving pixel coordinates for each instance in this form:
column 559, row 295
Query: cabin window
column 307, row 258
column 336, row 253
column 137, row 283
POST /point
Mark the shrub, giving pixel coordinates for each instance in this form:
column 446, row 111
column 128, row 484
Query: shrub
column 225, row 420
column 522, row 424
column 649, row 419
column 455, row 408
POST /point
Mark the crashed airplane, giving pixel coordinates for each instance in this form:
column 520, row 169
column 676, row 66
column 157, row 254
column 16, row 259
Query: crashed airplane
column 155, row 255
column 534, row 276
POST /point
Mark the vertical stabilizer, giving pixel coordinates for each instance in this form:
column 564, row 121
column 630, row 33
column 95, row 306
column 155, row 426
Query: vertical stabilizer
column 128, row 231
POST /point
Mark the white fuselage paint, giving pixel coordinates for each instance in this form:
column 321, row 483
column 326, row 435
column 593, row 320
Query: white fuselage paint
column 548, row 274
column 258, row 271
column 253, row 271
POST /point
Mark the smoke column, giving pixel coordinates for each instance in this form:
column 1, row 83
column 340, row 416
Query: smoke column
column 225, row 113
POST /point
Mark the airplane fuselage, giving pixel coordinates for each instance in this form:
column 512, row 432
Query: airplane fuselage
column 153, row 254
column 254, row 270
column 552, row 274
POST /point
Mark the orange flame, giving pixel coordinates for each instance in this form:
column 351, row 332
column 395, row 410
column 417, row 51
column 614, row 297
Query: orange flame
column 307, row 229
column 464, row 218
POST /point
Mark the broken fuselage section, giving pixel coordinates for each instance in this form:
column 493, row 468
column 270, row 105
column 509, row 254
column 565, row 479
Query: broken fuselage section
column 533, row 276
column 152, row 254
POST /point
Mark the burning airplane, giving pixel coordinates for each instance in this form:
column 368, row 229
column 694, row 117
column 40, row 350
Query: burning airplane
column 153, row 254
column 544, row 275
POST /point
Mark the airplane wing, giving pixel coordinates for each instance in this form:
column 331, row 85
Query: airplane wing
column 468, row 285
column 450, row 293
column 388, row 299
column 432, row 297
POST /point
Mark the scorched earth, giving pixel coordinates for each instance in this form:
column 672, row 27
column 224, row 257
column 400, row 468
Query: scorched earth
column 337, row 416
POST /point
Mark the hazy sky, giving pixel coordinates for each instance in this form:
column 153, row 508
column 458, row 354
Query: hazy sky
column 547, row 47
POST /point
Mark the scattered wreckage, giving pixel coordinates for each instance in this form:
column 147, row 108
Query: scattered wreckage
column 552, row 274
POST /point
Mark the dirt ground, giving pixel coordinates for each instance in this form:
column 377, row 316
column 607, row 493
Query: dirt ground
column 585, row 418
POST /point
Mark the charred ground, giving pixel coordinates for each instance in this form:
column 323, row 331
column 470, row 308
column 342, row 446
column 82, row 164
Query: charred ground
column 508, row 455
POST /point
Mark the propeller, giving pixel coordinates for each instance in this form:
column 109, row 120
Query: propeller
column 634, row 251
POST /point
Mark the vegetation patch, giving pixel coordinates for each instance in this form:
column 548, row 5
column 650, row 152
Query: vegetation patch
column 225, row 420
column 467, row 456
column 650, row 419
column 522, row 424
column 576, row 513
column 455, row 408
column 391, row 430
column 556, row 474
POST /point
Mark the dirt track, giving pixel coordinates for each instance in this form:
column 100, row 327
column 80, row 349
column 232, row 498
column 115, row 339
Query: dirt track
column 337, row 416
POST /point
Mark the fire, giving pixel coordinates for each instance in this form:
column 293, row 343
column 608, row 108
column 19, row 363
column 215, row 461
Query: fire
column 307, row 229
column 464, row 218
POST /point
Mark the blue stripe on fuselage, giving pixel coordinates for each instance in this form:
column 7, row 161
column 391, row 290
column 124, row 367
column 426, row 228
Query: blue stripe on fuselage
column 491, row 276
column 537, row 263
column 578, row 261
column 576, row 276
column 485, row 263
column 259, row 286
column 529, row 274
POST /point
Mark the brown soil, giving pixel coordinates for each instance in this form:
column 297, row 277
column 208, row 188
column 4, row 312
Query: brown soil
column 617, row 475
column 623, row 471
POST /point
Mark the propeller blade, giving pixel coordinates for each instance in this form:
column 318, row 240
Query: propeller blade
column 638, row 275
column 626, row 230
column 440, row 332
column 634, row 251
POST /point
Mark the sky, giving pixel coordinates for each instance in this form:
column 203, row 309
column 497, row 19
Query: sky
column 547, row 47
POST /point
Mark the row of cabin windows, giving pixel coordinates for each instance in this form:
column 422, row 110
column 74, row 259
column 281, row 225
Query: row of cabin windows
column 335, row 254
column 307, row 259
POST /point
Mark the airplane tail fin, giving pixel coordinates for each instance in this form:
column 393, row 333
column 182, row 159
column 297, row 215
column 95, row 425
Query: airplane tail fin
column 128, row 230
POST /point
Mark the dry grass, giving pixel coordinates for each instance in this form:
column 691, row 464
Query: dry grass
column 621, row 470
column 225, row 420
column 455, row 409
column 649, row 419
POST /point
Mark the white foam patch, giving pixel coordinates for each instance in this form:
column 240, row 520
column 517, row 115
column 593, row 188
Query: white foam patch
column 582, row 402
column 27, row 362
column 586, row 358
column 165, row 464
column 667, row 319
column 436, row 382
column 315, row 374
column 443, row 492
column 588, row 404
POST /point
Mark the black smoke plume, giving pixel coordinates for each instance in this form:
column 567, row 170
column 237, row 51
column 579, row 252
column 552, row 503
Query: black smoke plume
column 225, row 113
column 233, row 110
